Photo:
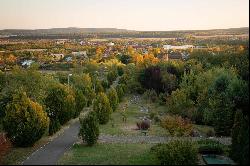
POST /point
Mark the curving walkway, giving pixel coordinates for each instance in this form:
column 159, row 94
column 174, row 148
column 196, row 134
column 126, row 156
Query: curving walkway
column 50, row 153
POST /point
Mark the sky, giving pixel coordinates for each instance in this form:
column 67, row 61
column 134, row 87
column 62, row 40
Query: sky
column 144, row 15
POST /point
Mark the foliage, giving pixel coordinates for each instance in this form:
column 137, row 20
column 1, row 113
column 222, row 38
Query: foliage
column 112, row 75
column 120, row 92
column 240, row 139
column 176, row 153
column 81, row 102
column 143, row 125
column 102, row 108
column 176, row 125
column 211, row 147
column 89, row 130
column 150, row 95
column 60, row 106
column 25, row 121
column 113, row 98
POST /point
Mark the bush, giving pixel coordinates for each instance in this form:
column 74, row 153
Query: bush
column 176, row 125
column 102, row 107
column 150, row 95
column 143, row 125
column 25, row 121
column 240, row 139
column 113, row 98
column 210, row 147
column 176, row 153
column 120, row 92
column 111, row 76
column 162, row 98
column 89, row 130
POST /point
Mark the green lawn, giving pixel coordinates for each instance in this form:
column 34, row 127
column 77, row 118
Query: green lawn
column 118, row 127
column 109, row 154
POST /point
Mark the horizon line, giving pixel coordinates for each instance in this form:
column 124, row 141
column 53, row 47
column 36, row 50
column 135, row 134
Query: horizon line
column 123, row 29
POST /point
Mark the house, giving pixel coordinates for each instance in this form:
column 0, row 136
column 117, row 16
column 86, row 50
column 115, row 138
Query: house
column 183, row 47
column 80, row 53
column 111, row 44
column 27, row 63
column 69, row 59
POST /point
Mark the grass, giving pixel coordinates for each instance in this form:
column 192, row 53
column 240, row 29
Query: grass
column 109, row 154
column 118, row 127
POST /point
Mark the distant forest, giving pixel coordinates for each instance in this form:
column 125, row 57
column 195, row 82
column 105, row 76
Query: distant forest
column 77, row 33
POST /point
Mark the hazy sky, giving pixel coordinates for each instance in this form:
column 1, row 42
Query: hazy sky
column 126, row 14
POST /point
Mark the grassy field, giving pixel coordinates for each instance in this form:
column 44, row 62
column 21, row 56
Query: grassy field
column 110, row 154
column 116, row 126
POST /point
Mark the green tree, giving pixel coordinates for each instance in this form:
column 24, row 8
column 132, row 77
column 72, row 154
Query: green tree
column 25, row 121
column 60, row 106
column 89, row 130
column 102, row 107
column 240, row 139
column 113, row 98
column 81, row 102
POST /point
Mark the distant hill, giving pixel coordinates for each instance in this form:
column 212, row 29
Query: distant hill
column 61, row 31
column 113, row 32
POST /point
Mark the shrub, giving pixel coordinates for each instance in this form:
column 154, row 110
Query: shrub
column 113, row 98
column 102, row 107
column 240, row 139
column 89, row 130
column 120, row 92
column 210, row 133
column 176, row 125
column 210, row 147
column 150, row 95
column 162, row 98
column 143, row 125
column 176, row 153
column 25, row 121
column 120, row 70
column 111, row 76
column 105, row 84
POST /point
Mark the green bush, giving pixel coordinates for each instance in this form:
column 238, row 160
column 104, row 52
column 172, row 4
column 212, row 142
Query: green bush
column 89, row 130
column 113, row 98
column 210, row 147
column 150, row 95
column 120, row 92
column 112, row 75
column 25, row 121
column 102, row 107
column 176, row 153
column 176, row 125
column 240, row 139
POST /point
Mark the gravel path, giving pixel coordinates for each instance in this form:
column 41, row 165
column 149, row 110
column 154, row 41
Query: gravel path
column 50, row 153
column 153, row 139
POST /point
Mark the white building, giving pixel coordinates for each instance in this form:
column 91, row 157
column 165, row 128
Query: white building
column 111, row 44
column 27, row 63
column 183, row 47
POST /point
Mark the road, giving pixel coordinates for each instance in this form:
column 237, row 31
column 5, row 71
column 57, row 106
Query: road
column 51, row 152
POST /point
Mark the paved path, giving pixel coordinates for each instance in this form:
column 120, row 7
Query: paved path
column 154, row 139
column 51, row 152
